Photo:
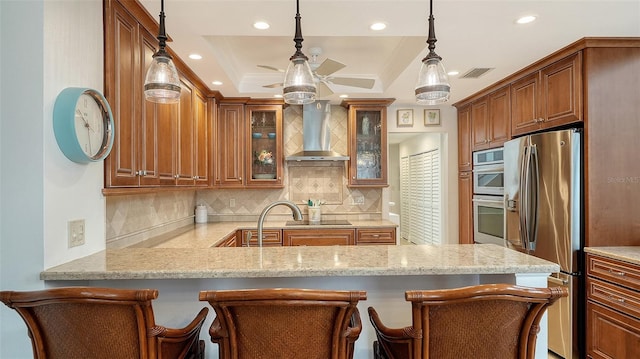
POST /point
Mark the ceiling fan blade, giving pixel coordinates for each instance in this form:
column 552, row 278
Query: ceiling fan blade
column 353, row 82
column 273, row 85
column 324, row 90
column 328, row 66
column 270, row 68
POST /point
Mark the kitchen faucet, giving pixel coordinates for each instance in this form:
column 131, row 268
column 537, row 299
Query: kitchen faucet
column 297, row 215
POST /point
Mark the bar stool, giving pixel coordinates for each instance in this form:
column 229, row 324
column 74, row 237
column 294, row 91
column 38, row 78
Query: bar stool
column 483, row 321
column 101, row 323
column 285, row 323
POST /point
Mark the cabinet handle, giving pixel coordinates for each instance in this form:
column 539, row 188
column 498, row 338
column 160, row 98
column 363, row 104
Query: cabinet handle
column 354, row 177
column 375, row 235
column 619, row 274
column 239, row 178
column 176, row 176
column 617, row 299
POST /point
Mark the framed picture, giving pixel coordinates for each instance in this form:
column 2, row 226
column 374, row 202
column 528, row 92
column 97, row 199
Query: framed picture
column 405, row 118
column 432, row 117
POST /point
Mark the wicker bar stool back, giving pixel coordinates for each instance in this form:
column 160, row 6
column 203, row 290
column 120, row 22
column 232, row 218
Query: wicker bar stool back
column 483, row 321
column 285, row 323
column 101, row 323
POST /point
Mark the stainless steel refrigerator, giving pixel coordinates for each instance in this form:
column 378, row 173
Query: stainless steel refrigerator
column 544, row 218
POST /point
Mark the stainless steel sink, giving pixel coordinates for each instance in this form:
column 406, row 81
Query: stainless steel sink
column 333, row 222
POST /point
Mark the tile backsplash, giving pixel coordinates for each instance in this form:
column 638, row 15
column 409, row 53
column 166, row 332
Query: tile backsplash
column 131, row 219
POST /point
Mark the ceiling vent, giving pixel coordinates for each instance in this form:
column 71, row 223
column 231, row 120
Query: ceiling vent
column 476, row 72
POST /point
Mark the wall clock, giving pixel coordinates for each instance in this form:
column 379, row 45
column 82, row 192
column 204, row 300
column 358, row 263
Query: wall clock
column 83, row 124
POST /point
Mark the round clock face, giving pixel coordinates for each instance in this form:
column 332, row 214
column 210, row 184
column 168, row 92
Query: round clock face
column 83, row 124
column 89, row 124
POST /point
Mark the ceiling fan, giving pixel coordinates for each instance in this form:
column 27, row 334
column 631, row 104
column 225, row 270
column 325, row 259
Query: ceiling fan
column 322, row 73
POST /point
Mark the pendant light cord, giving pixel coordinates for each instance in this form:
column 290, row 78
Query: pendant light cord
column 298, row 36
column 431, row 40
column 162, row 35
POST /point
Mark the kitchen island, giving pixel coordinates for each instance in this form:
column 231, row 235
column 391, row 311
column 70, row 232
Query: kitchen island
column 385, row 272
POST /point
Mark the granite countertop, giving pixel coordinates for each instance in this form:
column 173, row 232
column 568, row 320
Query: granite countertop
column 208, row 235
column 270, row 262
column 625, row 253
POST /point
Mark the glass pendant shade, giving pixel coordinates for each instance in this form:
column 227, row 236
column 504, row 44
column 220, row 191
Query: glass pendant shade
column 433, row 86
column 299, row 86
column 162, row 83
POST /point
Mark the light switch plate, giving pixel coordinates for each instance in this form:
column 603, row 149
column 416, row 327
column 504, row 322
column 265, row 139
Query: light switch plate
column 76, row 231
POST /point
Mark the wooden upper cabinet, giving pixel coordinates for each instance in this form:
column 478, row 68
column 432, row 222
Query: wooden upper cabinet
column 230, row 136
column 203, row 129
column 548, row 98
column 491, row 120
column 155, row 144
column 265, row 157
column 464, row 139
column 367, row 133
column 243, row 133
column 499, row 117
column 186, row 131
column 122, row 57
column 480, row 124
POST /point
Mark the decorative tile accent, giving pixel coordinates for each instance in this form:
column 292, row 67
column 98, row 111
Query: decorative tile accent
column 321, row 183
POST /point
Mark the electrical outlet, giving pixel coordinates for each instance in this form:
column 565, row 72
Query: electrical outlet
column 76, row 231
column 358, row 200
column 232, row 202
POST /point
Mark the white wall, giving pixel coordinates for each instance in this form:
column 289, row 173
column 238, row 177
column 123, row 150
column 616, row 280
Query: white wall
column 47, row 45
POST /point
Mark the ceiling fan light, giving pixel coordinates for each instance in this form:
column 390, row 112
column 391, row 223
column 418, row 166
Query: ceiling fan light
column 299, row 85
column 433, row 86
column 162, row 83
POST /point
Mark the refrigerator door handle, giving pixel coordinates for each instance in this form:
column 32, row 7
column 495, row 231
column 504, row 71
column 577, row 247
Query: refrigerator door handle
column 524, row 197
column 534, row 188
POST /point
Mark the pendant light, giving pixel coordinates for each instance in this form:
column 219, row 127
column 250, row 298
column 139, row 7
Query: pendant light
column 299, row 85
column 432, row 87
column 162, row 83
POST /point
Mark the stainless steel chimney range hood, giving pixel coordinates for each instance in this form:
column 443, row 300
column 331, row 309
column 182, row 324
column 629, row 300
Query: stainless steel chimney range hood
column 316, row 133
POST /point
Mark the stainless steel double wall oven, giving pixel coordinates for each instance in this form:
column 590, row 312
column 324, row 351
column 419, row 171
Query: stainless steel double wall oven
column 488, row 197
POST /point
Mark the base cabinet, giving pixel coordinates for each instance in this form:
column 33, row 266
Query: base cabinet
column 613, row 308
column 324, row 237
column 270, row 237
column 375, row 236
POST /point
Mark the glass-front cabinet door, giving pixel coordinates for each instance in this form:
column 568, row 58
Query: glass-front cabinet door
column 265, row 156
column 367, row 142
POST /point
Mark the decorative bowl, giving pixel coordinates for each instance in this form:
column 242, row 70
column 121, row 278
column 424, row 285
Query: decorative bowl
column 272, row 135
column 256, row 135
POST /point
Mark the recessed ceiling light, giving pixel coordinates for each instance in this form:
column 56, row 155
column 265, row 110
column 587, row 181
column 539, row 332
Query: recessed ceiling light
column 195, row 57
column 217, row 83
column 344, row 96
column 453, row 73
column 526, row 19
column 261, row 25
column 377, row 26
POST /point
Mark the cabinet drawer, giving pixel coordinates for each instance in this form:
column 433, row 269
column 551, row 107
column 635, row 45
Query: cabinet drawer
column 616, row 297
column 376, row 236
column 270, row 237
column 325, row 237
column 611, row 334
column 619, row 272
